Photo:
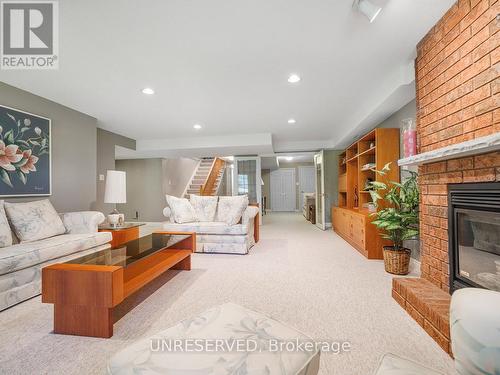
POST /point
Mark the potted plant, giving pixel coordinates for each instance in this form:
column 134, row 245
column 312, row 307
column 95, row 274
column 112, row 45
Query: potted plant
column 397, row 219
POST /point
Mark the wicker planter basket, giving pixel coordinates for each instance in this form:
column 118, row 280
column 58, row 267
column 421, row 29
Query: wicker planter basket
column 396, row 262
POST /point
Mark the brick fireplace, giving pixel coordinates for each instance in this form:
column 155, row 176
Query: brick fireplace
column 458, row 100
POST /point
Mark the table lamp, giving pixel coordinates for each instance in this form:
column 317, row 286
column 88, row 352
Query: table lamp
column 116, row 192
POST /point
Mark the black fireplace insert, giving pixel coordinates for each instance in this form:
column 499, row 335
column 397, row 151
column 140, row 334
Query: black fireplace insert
column 474, row 235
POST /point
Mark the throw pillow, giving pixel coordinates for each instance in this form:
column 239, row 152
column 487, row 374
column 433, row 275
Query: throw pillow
column 182, row 211
column 5, row 231
column 230, row 209
column 205, row 206
column 33, row 221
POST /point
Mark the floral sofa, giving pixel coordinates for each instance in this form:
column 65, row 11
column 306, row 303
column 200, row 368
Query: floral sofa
column 32, row 236
column 227, row 225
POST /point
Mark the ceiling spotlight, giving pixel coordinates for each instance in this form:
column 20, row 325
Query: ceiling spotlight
column 292, row 121
column 289, row 158
column 367, row 8
column 148, row 91
column 293, row 78
column 197, row 126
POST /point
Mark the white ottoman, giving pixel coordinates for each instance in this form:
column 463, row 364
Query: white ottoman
column 208, row 343
column 394, row 365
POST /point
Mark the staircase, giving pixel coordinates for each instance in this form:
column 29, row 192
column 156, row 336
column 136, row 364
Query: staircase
column 203, row 174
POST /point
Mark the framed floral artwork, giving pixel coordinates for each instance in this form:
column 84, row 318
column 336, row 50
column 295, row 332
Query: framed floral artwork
column 25, row 154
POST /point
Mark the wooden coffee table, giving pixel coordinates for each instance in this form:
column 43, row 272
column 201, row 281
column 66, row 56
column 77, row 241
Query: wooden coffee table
column 85, row 290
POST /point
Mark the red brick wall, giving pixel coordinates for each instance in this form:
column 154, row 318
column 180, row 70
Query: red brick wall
column 458, row 99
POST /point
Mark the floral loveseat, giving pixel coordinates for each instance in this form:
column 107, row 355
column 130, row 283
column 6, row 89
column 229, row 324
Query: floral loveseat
column 227, row 225
column 32, row 236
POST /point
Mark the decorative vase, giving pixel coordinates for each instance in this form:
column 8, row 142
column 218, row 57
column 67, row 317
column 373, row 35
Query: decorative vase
column 397, row 262
column 113, row 219
column 409, row 138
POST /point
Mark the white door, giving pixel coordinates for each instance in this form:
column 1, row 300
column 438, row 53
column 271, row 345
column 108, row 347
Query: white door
column 319, row 166
column 283, row 190
column 306, row 182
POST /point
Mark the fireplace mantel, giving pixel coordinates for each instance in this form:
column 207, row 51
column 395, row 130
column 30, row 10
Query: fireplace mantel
column 473, row 147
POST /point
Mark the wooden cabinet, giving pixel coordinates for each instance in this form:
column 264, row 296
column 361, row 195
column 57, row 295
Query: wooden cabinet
column 351, row 219
column 356, row 228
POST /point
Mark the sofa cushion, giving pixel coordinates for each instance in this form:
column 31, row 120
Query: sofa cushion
column 227, row 324
column 212, row 227
column 35, row 220
column 205, row 206
column 182, row 210
column 230, row 209
column 28, row 254
column 5, row 231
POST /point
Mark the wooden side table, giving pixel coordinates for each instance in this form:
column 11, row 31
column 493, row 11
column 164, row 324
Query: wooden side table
column 123, row 234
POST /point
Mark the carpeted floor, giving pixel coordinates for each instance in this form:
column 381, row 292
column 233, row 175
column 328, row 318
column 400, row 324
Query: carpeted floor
column 311, row 280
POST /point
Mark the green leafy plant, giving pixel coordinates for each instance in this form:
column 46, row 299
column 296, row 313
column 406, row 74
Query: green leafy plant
column 398, row 220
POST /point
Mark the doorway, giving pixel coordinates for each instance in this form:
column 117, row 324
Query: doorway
column 319, row 165
column 283, row 190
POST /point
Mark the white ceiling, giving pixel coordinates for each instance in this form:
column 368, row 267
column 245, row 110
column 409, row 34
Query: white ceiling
column 224, row 64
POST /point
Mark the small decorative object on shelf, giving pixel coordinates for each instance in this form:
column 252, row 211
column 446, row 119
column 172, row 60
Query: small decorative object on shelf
column 368, row 185
column 372, row 144
column 368, row 166
column 356, row 197
column 409, row 138
column 370, row 207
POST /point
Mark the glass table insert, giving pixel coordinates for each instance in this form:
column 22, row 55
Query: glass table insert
column 132, row 251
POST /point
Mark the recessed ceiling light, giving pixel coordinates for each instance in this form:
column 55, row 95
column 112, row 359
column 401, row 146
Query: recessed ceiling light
column 367, row 8
column 197, row 126
column 289, row 158
column 293, row 78
column 148, row 91
column 292, row 121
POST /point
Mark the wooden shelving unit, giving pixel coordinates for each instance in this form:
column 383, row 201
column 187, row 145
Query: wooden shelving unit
column 356, row 164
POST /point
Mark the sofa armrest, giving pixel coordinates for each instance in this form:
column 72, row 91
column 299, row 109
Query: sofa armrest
column 167, row 212
column 251, row 218
column 82, row 222
column 249, row 214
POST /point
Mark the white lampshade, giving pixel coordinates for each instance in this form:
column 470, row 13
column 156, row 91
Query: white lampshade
column 116, row 187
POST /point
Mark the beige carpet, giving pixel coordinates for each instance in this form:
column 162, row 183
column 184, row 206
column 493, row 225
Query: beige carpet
column 312, row 280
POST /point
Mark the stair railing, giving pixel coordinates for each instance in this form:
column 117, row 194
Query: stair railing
column 208, row 187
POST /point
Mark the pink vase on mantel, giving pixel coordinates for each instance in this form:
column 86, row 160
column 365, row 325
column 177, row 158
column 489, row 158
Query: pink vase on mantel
column 409, row 138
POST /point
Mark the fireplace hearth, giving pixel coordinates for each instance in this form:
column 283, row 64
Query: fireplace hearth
column 474, row 235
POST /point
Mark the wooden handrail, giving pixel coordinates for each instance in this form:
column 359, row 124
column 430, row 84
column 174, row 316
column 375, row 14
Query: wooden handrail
column 208, row 187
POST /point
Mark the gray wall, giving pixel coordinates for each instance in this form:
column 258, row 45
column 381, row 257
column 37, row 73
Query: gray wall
column 106, row 142
column 395, row 121
column 176, row 175
column 266, row 189
column 144, row 189
column 331, row 158
column 73, row 149
column 148, row 180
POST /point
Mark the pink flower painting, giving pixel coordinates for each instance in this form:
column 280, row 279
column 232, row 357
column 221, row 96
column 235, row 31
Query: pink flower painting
column 24, row 148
